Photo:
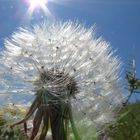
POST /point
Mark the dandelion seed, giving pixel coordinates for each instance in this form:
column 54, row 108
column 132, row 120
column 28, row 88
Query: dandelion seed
column 73, row 75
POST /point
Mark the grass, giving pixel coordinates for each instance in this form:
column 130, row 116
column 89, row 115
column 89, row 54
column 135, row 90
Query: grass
column 128, row 126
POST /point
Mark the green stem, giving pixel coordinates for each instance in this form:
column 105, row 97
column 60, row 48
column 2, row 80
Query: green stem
column 67, row 130
column 77, row 137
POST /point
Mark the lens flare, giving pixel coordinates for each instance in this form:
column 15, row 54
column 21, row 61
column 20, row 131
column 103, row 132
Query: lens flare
column 38, row 4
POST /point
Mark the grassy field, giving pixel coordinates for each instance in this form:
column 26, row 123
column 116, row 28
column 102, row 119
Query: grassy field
column 128, row 126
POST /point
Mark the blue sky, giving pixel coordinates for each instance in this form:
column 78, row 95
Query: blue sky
column 118, row 21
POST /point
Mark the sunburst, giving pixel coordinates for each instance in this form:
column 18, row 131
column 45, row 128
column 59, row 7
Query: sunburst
column 38, row 4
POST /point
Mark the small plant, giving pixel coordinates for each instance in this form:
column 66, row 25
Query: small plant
column 133, row 82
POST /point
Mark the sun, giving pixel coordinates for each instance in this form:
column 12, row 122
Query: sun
column 38, row 4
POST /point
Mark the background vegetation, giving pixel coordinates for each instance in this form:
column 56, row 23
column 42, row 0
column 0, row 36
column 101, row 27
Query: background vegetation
column 128, row 125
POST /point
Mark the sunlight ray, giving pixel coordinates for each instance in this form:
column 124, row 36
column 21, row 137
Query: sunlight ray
column 38, row 4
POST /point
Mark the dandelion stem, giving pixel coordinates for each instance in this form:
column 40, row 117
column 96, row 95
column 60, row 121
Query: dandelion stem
column 76, row 135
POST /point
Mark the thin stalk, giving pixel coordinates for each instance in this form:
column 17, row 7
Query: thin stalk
column 76, row 135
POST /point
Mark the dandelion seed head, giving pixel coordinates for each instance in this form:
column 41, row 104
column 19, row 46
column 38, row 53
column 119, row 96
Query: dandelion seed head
column 72, row 63
column 58, row 83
